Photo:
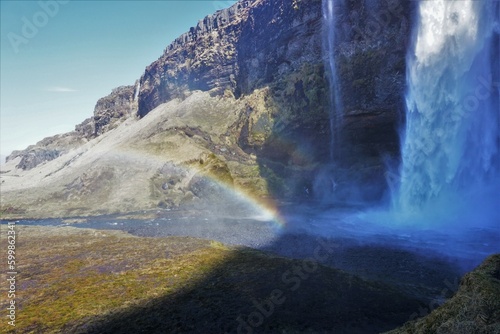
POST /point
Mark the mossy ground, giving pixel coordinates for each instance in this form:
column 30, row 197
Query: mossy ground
column 475, row 308
column 85, row 281
column 68, row 274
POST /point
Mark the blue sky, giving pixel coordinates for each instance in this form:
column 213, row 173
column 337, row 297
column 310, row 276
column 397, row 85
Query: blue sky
column 75, row 53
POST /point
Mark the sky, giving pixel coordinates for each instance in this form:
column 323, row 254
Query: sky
column 59, row 57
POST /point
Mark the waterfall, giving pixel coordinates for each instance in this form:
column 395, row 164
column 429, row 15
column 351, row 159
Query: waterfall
column 450, row 150
column 329, row 43
column 137, row 90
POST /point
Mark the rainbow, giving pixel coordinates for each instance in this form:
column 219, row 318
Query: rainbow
column 265, row 208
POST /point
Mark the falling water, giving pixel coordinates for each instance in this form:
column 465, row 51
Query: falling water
column 329, row 43
column 137, row 90
column 450, row 154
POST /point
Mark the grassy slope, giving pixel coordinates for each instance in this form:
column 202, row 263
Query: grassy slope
column 84, row 281
column 114, row 172
column 475, row 308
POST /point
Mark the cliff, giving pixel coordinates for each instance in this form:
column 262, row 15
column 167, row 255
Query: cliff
column 237, row 49
column 114, row 108
column 246, row 86
column 109, row 111
column 278, row 45
column 202, row 59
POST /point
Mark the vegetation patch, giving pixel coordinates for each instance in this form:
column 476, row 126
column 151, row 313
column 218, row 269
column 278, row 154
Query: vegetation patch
column 86, row 281
column 212, row 166
column 475, row 308
column 9, row 211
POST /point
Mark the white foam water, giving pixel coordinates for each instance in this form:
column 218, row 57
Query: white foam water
column 330, row 8
column 450, row 152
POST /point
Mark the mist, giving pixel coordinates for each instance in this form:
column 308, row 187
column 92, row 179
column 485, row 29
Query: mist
column 444, row 195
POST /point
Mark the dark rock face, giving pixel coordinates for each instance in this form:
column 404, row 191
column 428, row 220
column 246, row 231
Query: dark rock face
column 370, row 56
column 202, row 59
column 370, row 59
column 114, row 108
column 371, row 66
column 277, row 44
column 276, row 41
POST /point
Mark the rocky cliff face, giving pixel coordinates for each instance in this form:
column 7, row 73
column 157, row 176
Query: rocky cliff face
column 109, row 111
column 373, row 38
column 204, row 58
column 264, row 60
column 236, row 50
column 114, row 108
column 277, row 44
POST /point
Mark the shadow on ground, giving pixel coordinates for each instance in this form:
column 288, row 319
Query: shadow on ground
column 255, row 292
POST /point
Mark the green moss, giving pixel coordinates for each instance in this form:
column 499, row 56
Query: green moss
column 214, row 167
column 81, row 275
column 77, row 280
column 276, row 184
column 475, row 308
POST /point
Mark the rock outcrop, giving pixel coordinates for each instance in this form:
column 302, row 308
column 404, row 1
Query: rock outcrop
column 109, row 111
column 204, row 58
column 114, row 108
column 50, row 148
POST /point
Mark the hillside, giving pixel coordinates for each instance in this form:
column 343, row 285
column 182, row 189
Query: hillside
column 475, row 308
column 248, row 89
